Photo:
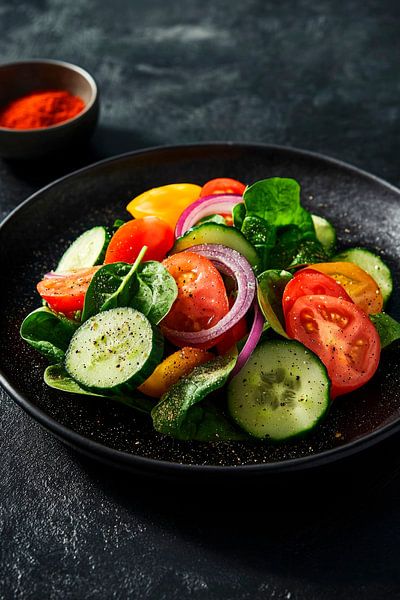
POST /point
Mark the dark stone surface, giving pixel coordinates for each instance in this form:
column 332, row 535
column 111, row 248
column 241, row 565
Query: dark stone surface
column 319, row 75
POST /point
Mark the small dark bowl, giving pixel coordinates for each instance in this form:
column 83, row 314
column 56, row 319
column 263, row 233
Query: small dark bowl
column 20, row 78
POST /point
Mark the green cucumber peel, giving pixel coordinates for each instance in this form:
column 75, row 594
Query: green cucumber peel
column 48, row 332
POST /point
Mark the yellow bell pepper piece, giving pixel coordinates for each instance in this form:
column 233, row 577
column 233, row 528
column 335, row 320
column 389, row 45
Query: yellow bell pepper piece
column 166, row 202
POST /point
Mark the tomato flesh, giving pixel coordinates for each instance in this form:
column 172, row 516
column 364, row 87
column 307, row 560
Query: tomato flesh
column 66, row 294
column 309, row 282
column 341, row 335
column 222, row 185
column 362, row 289
column 130, row 238
column 202, row 300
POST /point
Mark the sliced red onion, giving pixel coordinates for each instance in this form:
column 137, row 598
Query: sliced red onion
column 252, row 340
column 231, row 263
column 53, row 275
column 219, row 204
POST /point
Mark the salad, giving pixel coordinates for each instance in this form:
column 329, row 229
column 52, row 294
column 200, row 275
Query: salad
column 223, row 286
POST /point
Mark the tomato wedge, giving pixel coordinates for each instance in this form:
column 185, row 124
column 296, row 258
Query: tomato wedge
column 341, row 335
column 222, row 185
column 311, row 282
column 171, row 369
column 360, row 286
column 202, row 300
column 66, row 293
column 129, row 239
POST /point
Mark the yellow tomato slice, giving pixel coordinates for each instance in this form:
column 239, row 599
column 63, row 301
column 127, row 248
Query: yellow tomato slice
column 173, row 368
column 166, row 202
column 360, row 286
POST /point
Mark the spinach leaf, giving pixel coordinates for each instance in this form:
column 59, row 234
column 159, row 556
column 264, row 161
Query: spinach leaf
column 148, row 287
column 55, row 376
column 210, row 424
column 263, row 237
column 279, row 227
column 48, row 332
column 104, row 285
column 387, row 328
column 178, row 414
column 271, row 285
column 153, row 276
column 277, row 201
column 238, row 215
column 295, row 247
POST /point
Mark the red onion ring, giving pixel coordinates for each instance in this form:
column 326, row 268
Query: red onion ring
column 231, row 263
column 204, row 207
column 252, row 340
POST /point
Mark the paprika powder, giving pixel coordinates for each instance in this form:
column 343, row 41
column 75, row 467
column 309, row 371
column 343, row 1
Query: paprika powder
column 42, row 108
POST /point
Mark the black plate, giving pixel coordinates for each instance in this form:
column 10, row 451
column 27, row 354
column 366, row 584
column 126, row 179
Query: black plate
column 364, row 209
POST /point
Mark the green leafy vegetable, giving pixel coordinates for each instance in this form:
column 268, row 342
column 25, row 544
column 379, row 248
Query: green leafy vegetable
column 48, row 332
column 387, row 328
column 179, row 414
column 238, row 215
column 279, row 227
column 271, row 285
column 104, row 286
column 147, row 286
column 163, row 290
column 55, row 376
column 277, row 201
column 262, row 235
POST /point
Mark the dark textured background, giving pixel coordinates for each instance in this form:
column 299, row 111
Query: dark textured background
column 320, row 75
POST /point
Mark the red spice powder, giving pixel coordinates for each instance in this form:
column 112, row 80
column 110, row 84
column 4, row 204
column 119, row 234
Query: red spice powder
column 40, row 109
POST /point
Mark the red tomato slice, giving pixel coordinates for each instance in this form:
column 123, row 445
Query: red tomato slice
column 202, row 299
column 341, row 334
column 231, row 337
column 129, row 239
column 228, row 339
column 66, row 294
column 309, row 282
column 222, row 185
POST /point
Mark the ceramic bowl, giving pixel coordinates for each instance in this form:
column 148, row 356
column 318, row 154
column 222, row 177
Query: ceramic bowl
column 20, row 78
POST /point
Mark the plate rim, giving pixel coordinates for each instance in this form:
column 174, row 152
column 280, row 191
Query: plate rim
column 130, row 461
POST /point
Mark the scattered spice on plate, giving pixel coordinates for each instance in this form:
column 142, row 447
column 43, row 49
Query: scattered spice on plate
column 42, row 108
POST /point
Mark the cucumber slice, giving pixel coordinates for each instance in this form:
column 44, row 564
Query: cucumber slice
column 114, row 351
column 325, row 233
column 86, row 251
column 281, row 392
column 214, row 233
column 373, row 265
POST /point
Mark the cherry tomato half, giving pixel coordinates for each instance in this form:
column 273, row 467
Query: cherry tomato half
column 66, row 294
column 166, row 202
column 341, row 334
column 309, row 282
column 222, row 185
column 230, row 338
column 171, row 369
column 202, row 299
column 360, row 286
column 129, row 239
